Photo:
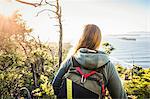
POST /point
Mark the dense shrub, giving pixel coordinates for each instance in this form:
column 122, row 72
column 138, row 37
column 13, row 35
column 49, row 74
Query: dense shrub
column 137, row 82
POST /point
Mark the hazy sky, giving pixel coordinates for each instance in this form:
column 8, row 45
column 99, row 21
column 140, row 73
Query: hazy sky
column 112, row 16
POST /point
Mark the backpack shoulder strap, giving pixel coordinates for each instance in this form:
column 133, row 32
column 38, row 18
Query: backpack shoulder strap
column 74, row 62
column 103, row 72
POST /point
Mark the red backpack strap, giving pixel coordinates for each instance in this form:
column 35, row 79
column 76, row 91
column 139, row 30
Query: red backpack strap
column 101, row 83
column 84, row 76
column 103, row 89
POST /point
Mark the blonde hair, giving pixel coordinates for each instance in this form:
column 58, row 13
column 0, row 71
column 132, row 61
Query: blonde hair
column 91, row 38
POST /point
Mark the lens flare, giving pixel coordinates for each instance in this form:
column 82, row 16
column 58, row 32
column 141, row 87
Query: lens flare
column 6, row 8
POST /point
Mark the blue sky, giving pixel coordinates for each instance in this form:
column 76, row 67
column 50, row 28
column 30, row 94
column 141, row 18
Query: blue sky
column 143, row 3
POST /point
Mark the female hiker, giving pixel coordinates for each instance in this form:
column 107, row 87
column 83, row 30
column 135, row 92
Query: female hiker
column 88, row 71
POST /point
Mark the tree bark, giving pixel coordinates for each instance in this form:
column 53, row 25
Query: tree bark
column 34, row 75
column 58, row 13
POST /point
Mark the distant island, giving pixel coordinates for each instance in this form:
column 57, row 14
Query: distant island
column 134, row 33
column 125, row 38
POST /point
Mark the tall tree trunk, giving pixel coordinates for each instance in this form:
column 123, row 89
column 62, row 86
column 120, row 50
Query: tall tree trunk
column 60, row 38
column 58, row 13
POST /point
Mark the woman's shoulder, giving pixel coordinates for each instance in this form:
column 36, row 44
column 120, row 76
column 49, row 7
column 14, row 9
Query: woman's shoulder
column 103, row 55
column 67, row 61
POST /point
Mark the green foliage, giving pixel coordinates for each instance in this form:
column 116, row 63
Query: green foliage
column 19, row 68
column 108, row 48
column 45, row 88
column 10, row 73
column 121, row 70
column 27, row 65
column 138, row 83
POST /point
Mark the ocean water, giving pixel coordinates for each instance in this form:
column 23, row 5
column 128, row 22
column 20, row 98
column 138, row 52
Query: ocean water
column 131, row 48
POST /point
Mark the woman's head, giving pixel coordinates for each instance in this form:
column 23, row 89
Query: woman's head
column 90, row 38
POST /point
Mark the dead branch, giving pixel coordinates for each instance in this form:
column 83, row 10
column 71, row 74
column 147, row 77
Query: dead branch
column 50, row 4
column 44, row 11
column 52, row 17
column 41, row 1
column 29, row 3
column 57, row 5
column 23, row 49
column 37, row 4
column 34, row 74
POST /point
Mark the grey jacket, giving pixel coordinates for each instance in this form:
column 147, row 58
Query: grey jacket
column 92, row 59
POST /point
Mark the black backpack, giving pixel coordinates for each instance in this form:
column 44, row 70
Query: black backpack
column 82, row 83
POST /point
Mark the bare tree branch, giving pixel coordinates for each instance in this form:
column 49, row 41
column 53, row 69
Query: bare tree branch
column 28, row 3
column 39, row 42
column 51, row 17
column 57, row 4
column 44, row 11
column 41, row 1
column 50, row 4
column 37, row 4
column 23, row 49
